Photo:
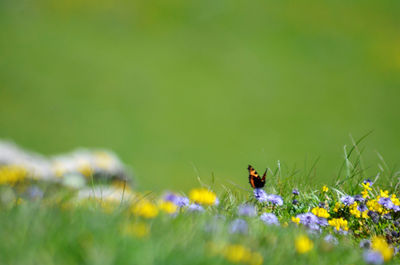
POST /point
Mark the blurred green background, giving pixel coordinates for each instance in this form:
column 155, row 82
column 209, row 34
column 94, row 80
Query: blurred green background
column 184, row 88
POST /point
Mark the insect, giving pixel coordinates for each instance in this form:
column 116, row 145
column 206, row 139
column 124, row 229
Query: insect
column 254, row 179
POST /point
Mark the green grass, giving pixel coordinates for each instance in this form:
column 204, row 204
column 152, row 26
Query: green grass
column 185, row 88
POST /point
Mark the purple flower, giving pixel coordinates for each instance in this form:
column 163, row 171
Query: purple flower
column 373, row 257
column 309, row 220
column 362, row 207
column 322, row 221
column 275, row 199
column 260, row 195
column 331, row 239
column 193, row 207
column 269, row 219
column 247, row 210
column 179, row 201
column 365, row 243
column 359, row 198
column 396, row 208
column 368, row 181
column 347, row 200
column 295, row 202
column 238, row 226
column 295, row 192
column 386, row 202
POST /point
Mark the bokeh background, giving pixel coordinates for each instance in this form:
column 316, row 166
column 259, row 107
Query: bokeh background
column 184, row 88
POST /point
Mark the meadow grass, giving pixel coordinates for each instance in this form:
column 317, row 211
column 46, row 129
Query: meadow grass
column 58, row 229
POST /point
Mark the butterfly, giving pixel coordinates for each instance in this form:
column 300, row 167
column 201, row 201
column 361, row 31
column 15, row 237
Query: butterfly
column 254, row 179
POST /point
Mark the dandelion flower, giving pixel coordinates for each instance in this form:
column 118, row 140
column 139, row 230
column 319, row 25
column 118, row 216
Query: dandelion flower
column 303, row 244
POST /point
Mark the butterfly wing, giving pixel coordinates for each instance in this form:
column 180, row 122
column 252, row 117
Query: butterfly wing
column 254, row 179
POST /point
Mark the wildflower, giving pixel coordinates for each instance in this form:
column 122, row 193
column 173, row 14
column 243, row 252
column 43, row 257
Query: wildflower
column 238, row 226
column 339, row 224
column 367, row 181
column 145, row 209
column 247, row 210
column 12, row 175
column 384, row 194
column 338, row 205
column 325, row 188
column 295, row 192
column 331, row 239
column 347, row 200
column 362, row 207
column 320, row 212
column 373, row 205
column 303, row 244
column 295, row 202
column 260, row 195
column 365, row 243
column 203, row 196
column 379, row 244
column 359, row 198
column 179, row 201
column 386, row 202
column 295, row 220
column 269, row 219
column 364, row 193
column 309, row 220
column 194, row 207
column 275, row 199
column 366, row 185
column 241, row 254
column 373, row 257
column 374, row 216
column 138, row 230
column 168, row 207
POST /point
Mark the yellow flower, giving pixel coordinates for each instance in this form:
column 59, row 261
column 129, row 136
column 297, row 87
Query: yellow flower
column 12, row 175
column 366, row 186
column 295, row 220
column 338, row 205
column 325, row 188
column 339, row 223
column 364, row 193
column 373, row 205
column 241, row 254
column 354, row 210
column 385, row 194
column 379, row 244
column 203, row 196
column 145, row 209
column 395, row 200
column 303, row 244
column 168, row 207
column 320, row 212
column 139, row 230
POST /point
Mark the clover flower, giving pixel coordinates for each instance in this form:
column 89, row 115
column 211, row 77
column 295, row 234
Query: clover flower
column 373, row 257
column 260, row 195
column 275, row 199
column 347, row 200
column 269, row 219
column 238, row 226
column 303, row 244
column 247, row 210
